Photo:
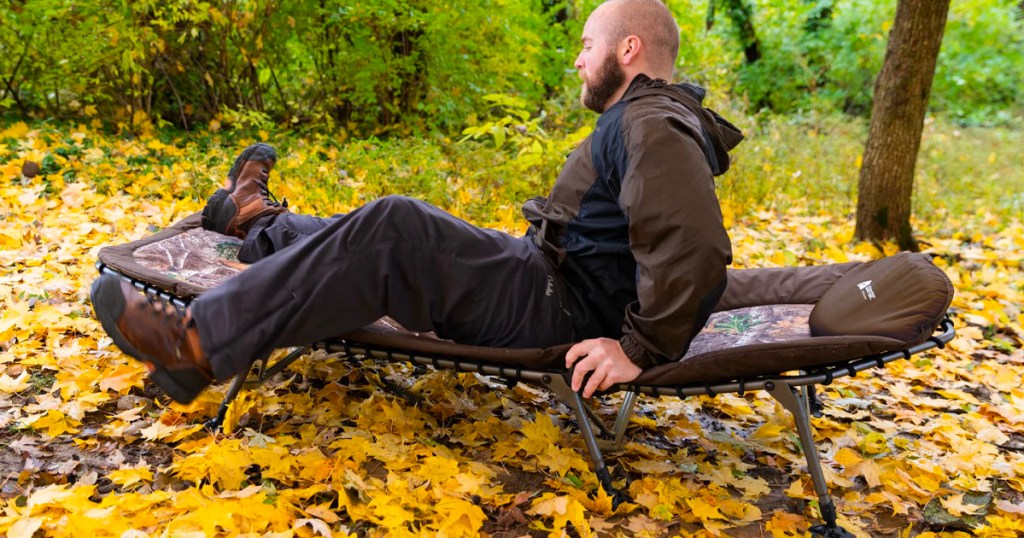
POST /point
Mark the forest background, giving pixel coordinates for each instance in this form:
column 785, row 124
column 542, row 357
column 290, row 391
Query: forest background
column 119, row 117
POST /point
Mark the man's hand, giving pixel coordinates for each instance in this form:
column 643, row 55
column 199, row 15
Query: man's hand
column 604, row 357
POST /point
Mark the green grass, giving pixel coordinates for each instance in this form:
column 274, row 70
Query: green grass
column 797, row 164
column 812, row 165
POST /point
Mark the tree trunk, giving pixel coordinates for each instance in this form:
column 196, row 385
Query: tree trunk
column 897, row 119
column 742, row 15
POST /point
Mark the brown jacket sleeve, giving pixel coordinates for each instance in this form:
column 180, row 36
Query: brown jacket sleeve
column 675, row 233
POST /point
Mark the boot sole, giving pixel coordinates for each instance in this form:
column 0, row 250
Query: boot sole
column 215, row 220
column 108, row 303
column 245, row 157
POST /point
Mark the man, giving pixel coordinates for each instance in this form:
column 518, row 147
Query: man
column 626, row 257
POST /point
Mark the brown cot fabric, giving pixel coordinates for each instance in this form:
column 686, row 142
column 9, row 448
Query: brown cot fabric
column 780, row 285
column 765, row 359
column 763, row 325
column 902, row 297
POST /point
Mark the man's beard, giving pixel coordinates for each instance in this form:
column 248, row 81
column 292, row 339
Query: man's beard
column 607, row 80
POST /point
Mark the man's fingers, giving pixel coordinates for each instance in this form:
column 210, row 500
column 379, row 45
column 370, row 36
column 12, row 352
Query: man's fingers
column 576, row 352
column 596, row 380
column 583, row 367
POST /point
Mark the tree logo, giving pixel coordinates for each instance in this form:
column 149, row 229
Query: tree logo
column 866, row 290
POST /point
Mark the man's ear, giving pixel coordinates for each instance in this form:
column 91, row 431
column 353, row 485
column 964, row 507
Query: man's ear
column 630, row 49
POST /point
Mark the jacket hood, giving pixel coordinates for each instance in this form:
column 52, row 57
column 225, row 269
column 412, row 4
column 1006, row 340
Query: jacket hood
column 720, row 135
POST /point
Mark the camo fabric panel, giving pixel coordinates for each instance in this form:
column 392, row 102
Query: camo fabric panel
column 197, row 256
column 752, row 325
column 206, row 259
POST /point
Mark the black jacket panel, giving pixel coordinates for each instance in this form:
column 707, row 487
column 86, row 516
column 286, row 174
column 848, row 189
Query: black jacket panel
column 634, row 222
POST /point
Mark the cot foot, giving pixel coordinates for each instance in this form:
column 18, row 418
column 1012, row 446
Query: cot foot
column 216, row 423
column 618, row 496
column 830, row 531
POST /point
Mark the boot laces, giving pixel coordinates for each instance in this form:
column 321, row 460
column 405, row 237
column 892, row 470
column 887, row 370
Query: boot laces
column 269, row 196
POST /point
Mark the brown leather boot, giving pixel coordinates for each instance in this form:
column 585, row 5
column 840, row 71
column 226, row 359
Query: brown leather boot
column 234, row 210
column 258, row 152
column 156, row 333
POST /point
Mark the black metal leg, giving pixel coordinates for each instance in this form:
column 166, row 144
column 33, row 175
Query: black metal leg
column 558, row 385
column 263, row 373
column 279, row 366
column 793, row 401
column 215, row 423
column 813, row 403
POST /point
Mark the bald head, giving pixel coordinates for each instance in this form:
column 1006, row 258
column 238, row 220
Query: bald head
column 622, row 39
column 653, row 23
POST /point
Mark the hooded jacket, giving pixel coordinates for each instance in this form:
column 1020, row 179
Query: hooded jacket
column 634, row 224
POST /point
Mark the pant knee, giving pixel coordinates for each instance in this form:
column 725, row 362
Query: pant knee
column 388, row 219
column 395, row 205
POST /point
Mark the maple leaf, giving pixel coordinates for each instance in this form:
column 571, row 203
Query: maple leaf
column 538, row 435
column 459, row 517
column 874, row 443
column 322, row 512
column 768, row 431
column 320, row 527
column 438, row 470
column 704, row 509
column 53, row 422
column 130, row 475
column 784, row 524
column 1000, row 527
column 12, row 385
column 158, row 430
column 241, row 405
column 562, row 510
column 25, row 527
column 955, row 505
column 752, row 486
column 898, row 505
column 389, row 511
column 1007, row 507
column 122, row 378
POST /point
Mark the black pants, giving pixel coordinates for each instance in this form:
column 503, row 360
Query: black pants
column 316, row 278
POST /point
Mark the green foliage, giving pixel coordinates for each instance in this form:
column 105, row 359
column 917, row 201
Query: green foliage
column 811, row 164
column 369, row 67
column 980, row 79
column 384, row 67
column 832, row 64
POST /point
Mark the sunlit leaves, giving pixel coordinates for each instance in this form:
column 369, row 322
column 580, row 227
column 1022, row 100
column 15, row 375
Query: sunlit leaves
column 52, row 422
column 370, row 447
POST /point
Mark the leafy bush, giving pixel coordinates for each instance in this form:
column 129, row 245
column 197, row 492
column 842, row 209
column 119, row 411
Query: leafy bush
column 979, row 79
column 373, row 66
column 832, row 65
column 379, row 67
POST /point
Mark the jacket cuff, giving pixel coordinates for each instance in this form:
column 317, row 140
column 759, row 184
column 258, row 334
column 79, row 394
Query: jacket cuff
column 637, row 354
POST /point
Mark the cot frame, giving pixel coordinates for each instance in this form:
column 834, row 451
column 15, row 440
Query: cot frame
column 795, row 392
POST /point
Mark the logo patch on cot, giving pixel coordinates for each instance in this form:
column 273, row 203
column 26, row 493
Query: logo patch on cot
column 866, row 290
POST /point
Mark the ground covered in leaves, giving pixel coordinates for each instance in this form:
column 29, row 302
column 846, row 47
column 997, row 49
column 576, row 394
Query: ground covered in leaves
column 349, row 446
